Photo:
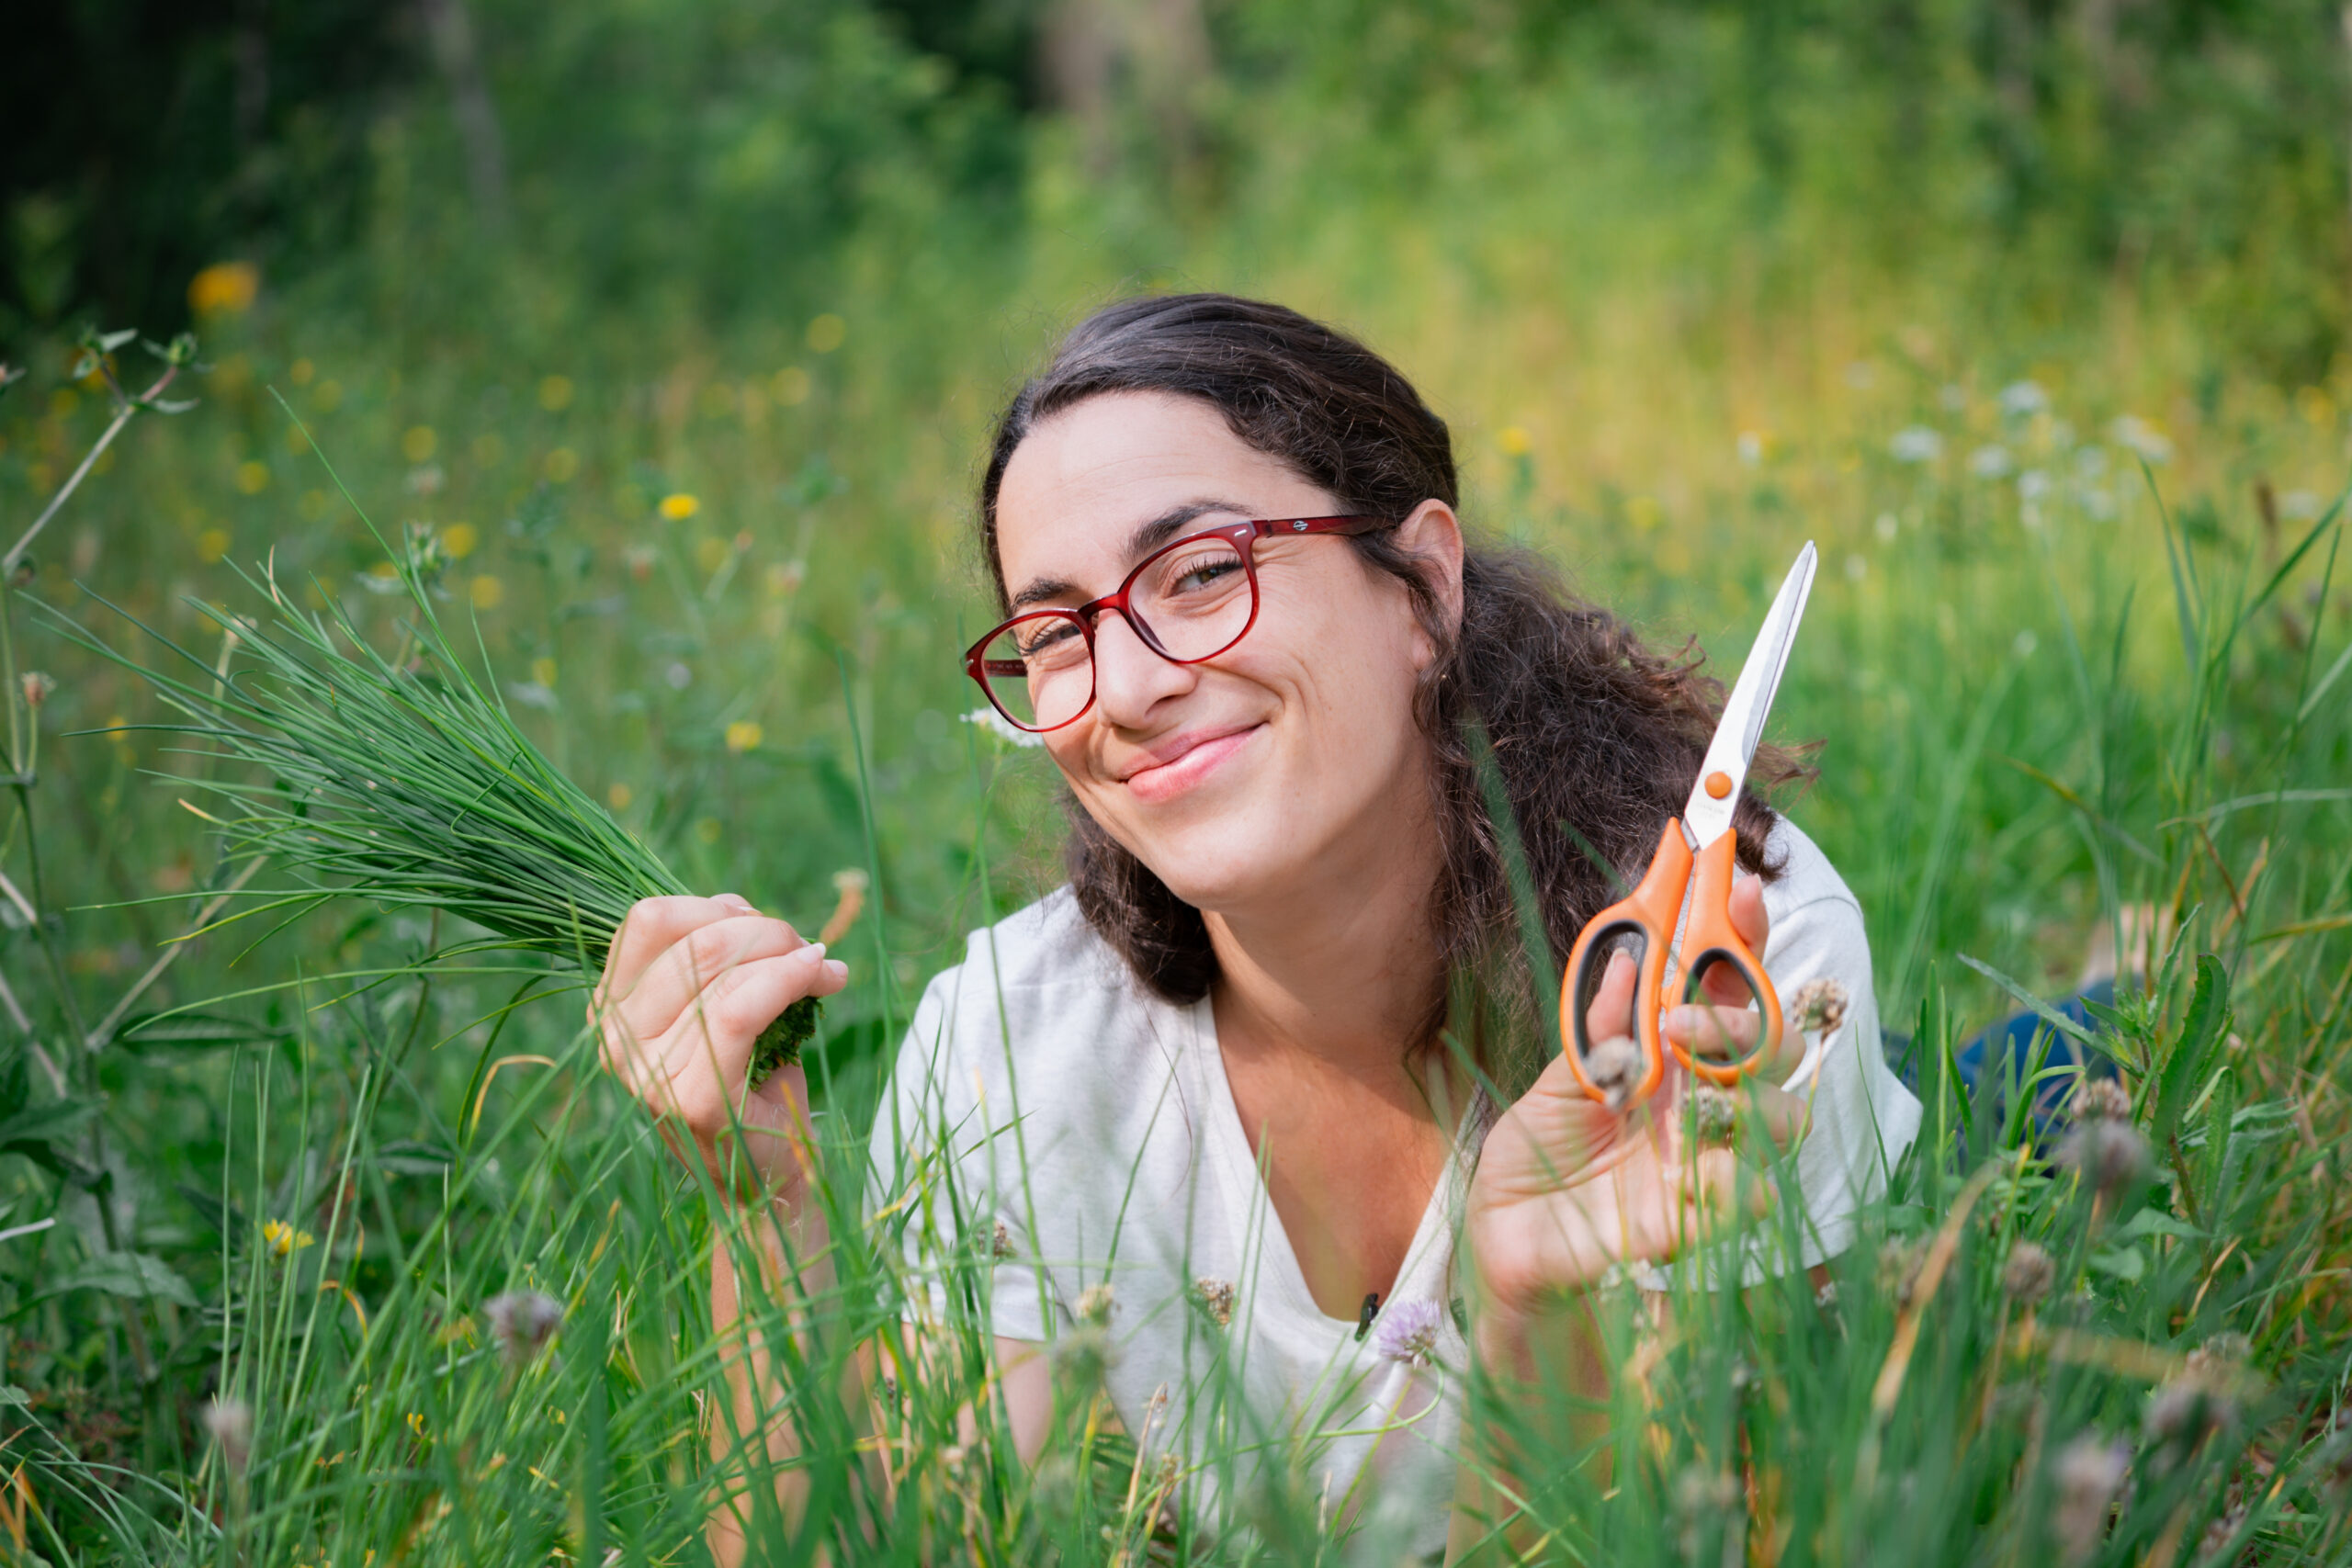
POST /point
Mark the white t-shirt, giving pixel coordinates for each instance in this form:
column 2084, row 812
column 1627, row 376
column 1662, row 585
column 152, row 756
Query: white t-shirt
column 1044, row 1090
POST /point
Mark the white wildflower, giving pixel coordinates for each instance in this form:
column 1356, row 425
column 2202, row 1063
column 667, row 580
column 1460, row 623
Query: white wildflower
column 1915, row 443
column 1990, row 462
column 2137, row 435
column 1004, row 729
column 2021, row 399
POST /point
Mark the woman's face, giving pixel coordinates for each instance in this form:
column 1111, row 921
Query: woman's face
column 1287, row 760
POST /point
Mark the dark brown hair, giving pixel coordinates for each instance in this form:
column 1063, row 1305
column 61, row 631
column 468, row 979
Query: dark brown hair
column 1595, row 738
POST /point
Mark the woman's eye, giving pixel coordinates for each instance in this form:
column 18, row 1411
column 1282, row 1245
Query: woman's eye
column 1045, row 639
column 1199, row 573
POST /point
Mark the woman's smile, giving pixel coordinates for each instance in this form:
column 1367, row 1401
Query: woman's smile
column 1169, row 768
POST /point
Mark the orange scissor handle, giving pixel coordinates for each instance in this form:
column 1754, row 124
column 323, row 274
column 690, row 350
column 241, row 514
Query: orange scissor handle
column 1649, row 912
column 1710, row 942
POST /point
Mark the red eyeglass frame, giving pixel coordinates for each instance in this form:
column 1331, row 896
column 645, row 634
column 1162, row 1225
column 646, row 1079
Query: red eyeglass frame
column 1242, row 537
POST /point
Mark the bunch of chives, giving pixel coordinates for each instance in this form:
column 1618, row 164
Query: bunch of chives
column 406, row 782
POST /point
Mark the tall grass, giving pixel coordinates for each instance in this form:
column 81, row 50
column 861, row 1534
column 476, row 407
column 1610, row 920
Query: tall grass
column 2042, row 699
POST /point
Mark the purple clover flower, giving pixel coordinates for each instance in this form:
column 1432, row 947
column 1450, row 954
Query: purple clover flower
column 1408, row 1332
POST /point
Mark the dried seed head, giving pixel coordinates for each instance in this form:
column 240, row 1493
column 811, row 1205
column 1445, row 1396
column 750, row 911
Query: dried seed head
column 2089, row 1474
column 1094, row 1305
column 2029, row 1274
column 37, row 687
column 1615, row 1068
column 1715, row 1116
column 2111, row 1155
column 1898, row 1265
column 521, row 1321
column 2183, row 1414
column 1826, row 1298
column 1084, row 1354
column 230, row 1423
column 1703, row 1498
column 2102, row 1100
column 1408, row 1332
column 1215, row 1297
column 1000, row 1241
column 1819, row 1005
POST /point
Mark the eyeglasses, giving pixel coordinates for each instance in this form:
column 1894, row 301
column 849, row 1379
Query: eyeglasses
column 1188, row 602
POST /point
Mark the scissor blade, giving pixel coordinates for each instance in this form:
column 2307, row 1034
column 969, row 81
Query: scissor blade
column 1738, row 733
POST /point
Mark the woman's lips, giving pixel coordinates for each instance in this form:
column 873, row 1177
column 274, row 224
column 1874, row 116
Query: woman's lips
column 1166, row 781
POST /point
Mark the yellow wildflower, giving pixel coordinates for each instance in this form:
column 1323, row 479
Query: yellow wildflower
column 555, row 393
column 678, row 506
column 252, row 478
column 487, row 592
column 618, row 796
column 1515, row 442
column 211, row 544
column 743, row 735
column 543, row 671
column 227, row 286
column 790, row 386
column 827, row 333
column 284, row 1240
column 459, row 539
column 418, row 442
column 560, row 465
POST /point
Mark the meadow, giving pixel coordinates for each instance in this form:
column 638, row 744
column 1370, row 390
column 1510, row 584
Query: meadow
column 2080, row 642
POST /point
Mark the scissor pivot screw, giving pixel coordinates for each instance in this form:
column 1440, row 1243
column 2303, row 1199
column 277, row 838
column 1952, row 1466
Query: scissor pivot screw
column 1718, row 785
column 1299, row 526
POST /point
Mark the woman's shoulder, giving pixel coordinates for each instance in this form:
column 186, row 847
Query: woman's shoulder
column 1816, row 920
column 1040, row 972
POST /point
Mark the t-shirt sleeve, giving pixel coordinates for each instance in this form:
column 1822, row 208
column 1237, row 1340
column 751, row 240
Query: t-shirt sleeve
column 1864, row 1119
column 943, row 1165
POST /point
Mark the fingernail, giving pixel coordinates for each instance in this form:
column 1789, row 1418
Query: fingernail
column 837, row 969
column 815, row 950
column 737, row 900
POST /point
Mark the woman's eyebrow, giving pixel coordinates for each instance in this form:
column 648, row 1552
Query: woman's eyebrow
column 1148, row 538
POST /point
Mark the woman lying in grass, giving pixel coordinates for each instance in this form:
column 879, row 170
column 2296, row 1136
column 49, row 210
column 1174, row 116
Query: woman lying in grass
column 1274, row 1064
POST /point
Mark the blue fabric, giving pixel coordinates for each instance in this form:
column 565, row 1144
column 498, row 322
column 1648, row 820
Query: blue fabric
column 2004, row 1055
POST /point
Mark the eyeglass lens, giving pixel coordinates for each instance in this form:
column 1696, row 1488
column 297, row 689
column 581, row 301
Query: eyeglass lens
column 1194, row 599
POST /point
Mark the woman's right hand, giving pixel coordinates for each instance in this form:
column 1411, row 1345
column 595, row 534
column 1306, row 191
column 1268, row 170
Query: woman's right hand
column 687, row 988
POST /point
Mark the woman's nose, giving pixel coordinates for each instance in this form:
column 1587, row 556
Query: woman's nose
column 1129, row 679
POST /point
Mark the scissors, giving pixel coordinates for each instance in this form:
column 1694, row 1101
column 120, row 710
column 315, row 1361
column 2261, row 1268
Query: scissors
column 1643, row 921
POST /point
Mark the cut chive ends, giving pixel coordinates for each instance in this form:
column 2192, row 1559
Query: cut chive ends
column 779, row 1043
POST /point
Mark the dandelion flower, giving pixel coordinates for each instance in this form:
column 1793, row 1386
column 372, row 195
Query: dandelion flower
column 743, row 735
column 1407, row 1333
column 678, row 506
column 458, row 539
column 1514, row 442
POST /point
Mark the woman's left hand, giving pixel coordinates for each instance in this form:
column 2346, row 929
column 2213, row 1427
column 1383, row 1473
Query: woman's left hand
column 1567, row 1188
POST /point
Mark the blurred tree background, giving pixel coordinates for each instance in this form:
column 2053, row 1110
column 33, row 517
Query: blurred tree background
column 720, row 157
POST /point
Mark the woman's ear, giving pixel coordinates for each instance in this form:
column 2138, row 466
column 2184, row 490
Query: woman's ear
column 1433, row 533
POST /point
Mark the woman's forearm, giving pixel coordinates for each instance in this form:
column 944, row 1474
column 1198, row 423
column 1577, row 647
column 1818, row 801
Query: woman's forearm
column 789, row 1245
